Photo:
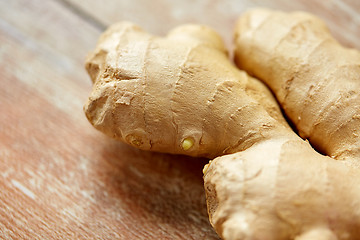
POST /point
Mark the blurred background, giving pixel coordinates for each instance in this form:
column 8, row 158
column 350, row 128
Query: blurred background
column 161, row 15
column 60, row 178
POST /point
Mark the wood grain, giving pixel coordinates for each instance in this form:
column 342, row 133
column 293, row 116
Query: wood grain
column 60, row 178
column 342, row 17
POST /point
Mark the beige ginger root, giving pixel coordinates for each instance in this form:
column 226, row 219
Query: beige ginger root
column 180, row 94
column 281, row 190
column 315, row 79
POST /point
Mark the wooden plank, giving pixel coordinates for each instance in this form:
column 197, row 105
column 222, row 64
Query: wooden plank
column 59, row 178
column 160, row 16
column 63, row 33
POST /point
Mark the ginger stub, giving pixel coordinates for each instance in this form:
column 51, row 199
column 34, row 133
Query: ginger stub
column 181, row 94
column 282, row 190
column 315, row 79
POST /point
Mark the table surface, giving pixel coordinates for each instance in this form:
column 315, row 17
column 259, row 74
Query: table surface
column 60, row 178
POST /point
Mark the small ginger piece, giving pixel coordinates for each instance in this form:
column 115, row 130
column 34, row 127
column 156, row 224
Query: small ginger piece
column 181, row 94
column 187, row 143
column 281, row 190
column 315, row 79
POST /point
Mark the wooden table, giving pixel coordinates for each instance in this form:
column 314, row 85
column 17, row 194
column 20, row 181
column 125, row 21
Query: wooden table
column 60, row 178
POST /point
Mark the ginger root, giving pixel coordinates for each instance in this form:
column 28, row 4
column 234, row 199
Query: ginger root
column 178, row 94
column 280, row 190
column 181, row 94
column 315, row 79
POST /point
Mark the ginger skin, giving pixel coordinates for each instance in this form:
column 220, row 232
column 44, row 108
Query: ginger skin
column 315, row 79
column 181, row 94
column 281, row 190
column 145, row 93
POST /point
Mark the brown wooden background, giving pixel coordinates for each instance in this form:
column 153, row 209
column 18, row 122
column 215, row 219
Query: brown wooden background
column 60, row 178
